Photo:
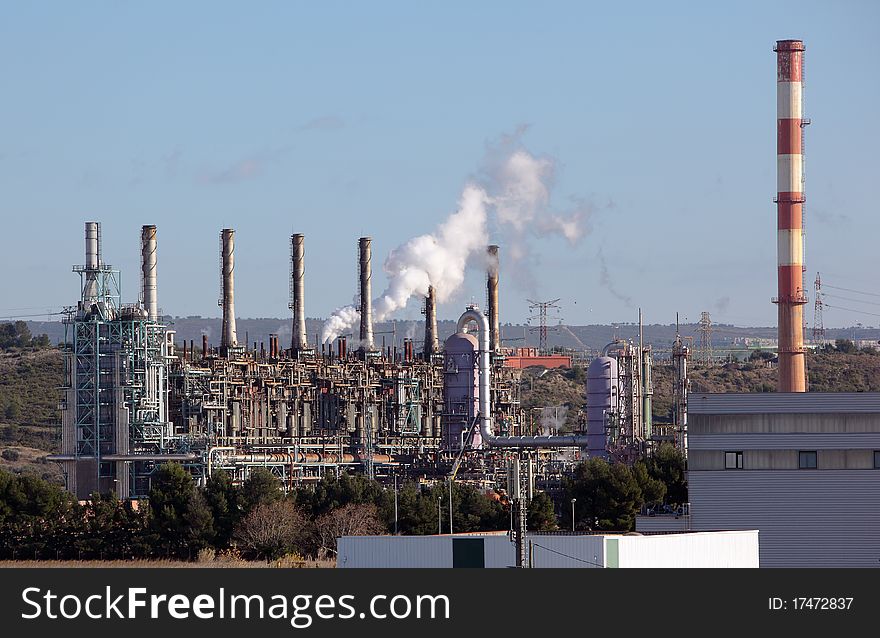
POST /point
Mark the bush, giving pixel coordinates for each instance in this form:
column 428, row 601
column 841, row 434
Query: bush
column 10, row 455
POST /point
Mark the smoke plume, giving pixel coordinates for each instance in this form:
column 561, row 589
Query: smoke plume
column 514, row 192
column 605, row 280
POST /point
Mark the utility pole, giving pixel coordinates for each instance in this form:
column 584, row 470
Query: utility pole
column 541, row 307
column 705, row 330
column 450, row 506
column 818, row 321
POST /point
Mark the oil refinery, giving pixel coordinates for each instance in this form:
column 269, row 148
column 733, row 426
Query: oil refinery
column 133, row 400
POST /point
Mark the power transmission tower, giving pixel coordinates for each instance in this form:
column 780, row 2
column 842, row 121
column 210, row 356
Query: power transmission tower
column 541, row 307
column 818, row 322
column 705, row 331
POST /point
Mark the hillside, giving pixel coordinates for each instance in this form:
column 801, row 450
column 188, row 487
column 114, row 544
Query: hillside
column 30, row 381
column 554, row 399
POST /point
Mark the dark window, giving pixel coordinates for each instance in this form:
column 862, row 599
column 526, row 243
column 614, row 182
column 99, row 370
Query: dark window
column 733, row 460
column 877, row 459
column 468, row 552
column 807, row 460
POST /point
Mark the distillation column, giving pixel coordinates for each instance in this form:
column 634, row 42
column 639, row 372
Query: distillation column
column 365, row 255
column 432, row 345
column 148, row 271
column 229, row 338
column 492, row 293
column 93, row 259
column 299, row 339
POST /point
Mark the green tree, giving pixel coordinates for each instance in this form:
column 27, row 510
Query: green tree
column 417, row 513
column 179, row 515
column 653, row 489
column 261, row 486
column 36, row 517
column 668, row 465
column 12, row 411
column 333, row 492
column 224, row 501
column 845, row 346
column 541, row 513
column 608, row 496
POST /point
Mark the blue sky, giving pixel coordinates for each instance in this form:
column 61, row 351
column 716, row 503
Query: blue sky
column 342, row 119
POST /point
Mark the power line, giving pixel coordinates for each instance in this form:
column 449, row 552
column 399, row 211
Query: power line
column 872, row 303
column 859, row 292
column 568, row 555
column 864, row 312
column 42, row 314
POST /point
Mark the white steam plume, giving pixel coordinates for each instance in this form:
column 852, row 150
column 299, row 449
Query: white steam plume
column 517, row 192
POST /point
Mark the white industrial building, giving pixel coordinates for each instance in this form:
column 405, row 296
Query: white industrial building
column 801, row 468
column 704, row 549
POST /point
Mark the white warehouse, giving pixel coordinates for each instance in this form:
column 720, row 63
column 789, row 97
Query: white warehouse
column 699, row 549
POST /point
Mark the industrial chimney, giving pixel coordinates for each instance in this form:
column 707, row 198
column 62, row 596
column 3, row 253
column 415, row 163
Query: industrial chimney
column 789, row 209
column 93, row 260
column 492, row 293
column 364, row 243
column 432, row 345
column 299, row 340
column 148, row 271
column 228, row 337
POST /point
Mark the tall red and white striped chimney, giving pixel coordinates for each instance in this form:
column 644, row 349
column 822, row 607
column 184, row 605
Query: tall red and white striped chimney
column 789, row 209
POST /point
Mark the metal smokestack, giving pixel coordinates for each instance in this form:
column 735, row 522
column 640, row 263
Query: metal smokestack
column 228, row 337
column 148, row 271
column 789, row 213
column 432, row 345
column 364, row 244
column 299, row 340
column 492, row 292
column 93, row 260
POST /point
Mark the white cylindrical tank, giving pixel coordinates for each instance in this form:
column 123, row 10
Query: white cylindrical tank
column 460, row 393
column 601, row 402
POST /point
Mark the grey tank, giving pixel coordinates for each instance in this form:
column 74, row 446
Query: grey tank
column 601, row 401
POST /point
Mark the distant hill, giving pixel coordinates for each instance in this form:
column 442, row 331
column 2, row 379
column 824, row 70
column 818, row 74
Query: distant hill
column 590, row 338
column 30, row 381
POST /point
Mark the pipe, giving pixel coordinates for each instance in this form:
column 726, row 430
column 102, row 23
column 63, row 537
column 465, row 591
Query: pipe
column 299, row 340
column 364, row 244
column 148, row 271
column 93, row 259
column 618, row 343
column 229, row 338
column 492, row 295
column 432, row 345
column 789, row 212
column 473, row 313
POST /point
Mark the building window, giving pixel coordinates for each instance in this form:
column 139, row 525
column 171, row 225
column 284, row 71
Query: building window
column 877, row 459
column 807, row 460
column 733, row 460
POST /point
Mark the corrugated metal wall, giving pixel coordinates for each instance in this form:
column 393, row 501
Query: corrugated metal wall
column 721, row 549
column 806, row 518
column 733, row 549
column 783, row 402
column 764, row 441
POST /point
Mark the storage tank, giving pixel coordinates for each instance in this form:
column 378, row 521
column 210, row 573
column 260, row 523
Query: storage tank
column 601, row 403
column 460, row 389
